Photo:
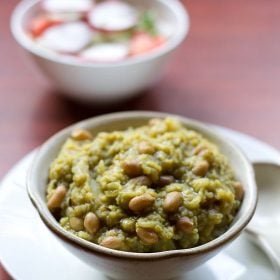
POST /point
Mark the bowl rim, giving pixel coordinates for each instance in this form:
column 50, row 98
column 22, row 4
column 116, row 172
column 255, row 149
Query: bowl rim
column 174, row 6
column 54, row 226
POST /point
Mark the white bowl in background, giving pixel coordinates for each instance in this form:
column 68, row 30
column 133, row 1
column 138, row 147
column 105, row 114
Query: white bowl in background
column 104, row 82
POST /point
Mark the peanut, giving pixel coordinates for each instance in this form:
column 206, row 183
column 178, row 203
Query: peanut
column 112, row 242
column 239, row 190
column 141, row 202
column 146, row 148
column 132, row 168
column 165, row 180
column 201, row 168
column 81, row 134
column 147, row 236
column 185, row 224
column 141, row 181
column 91, row 223
column 57, row 197
column 172, row 202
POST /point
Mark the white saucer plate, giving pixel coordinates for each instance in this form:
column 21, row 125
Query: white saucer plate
column 29, row 251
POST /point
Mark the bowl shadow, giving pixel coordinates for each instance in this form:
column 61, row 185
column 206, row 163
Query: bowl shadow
column 52, row 111
column 78, row 110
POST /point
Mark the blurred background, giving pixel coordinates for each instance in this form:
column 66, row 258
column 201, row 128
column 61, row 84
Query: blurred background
column 226, row 73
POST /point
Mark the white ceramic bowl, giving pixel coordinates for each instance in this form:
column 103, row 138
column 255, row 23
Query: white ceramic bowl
column 140, row 266
column 104, row 82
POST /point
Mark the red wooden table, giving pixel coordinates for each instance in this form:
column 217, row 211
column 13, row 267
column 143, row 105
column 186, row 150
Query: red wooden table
column 227, row 72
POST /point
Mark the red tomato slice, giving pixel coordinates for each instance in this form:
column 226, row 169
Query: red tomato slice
column 40, row 23
column 142, row 43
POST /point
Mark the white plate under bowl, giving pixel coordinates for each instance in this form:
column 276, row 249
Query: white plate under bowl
column 29, row 251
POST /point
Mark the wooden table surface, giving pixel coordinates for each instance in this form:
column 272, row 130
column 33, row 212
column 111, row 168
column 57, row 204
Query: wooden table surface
column 227, row 72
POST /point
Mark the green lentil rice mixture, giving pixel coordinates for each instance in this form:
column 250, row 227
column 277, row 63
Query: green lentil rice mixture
column 152, row 188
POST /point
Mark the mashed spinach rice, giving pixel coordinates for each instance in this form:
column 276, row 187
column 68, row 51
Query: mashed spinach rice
column 147, row 189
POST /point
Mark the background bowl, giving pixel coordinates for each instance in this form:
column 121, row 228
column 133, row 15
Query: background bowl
column 128, row 265
column 104, row 82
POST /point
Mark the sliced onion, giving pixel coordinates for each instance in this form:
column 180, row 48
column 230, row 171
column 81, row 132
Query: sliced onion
column 67, row 37
column 68, row 6
column 113, row 15
column 107, row 52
